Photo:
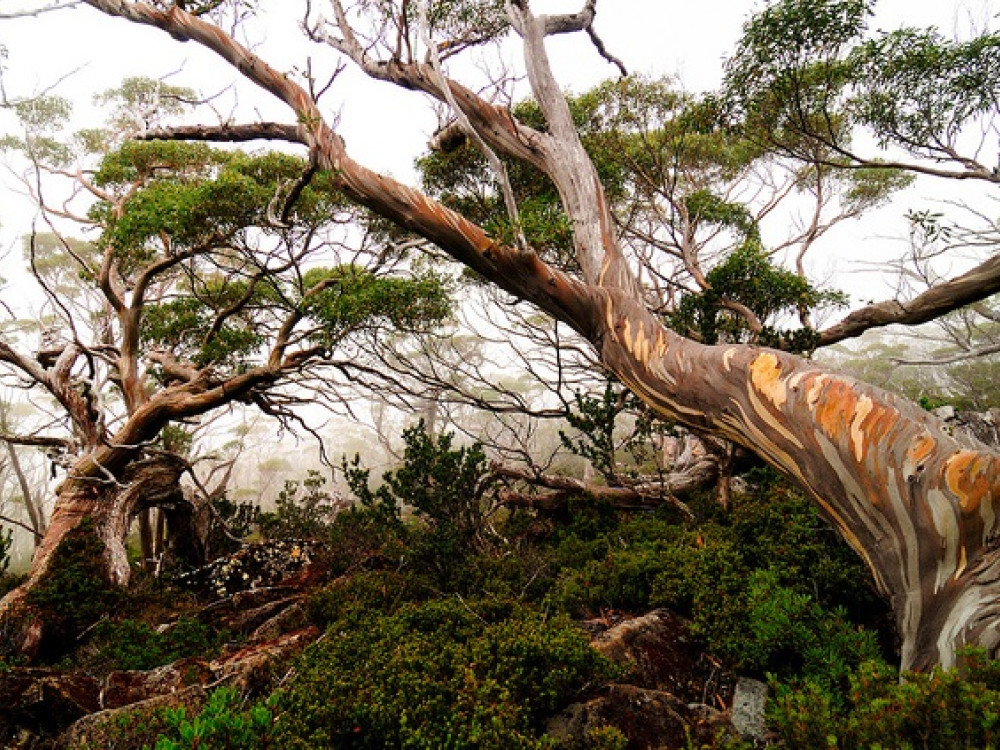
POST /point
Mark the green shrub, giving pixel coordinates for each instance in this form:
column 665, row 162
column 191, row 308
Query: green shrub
column 131, row 644
column 369, row 591
column 450, row 492
column 777, row 527
column 443, row 674
column 363, row 537
column 621, row 580
column 943, row 710
column 224, row 723
column 303, row 510
column 231, row 522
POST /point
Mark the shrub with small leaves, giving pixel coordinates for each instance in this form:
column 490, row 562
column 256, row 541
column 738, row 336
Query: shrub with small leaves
column 443, row 674
column 225, row 723
column 942, row 710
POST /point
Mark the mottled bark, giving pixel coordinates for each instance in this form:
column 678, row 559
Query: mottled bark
column 916, row 503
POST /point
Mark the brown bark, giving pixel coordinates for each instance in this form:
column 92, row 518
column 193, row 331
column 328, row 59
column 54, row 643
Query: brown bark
column 663, row 491
column 913, row 501
column 981, row 282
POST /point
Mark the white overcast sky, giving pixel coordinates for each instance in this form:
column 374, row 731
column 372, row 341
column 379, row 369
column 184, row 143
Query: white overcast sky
column 87, row 52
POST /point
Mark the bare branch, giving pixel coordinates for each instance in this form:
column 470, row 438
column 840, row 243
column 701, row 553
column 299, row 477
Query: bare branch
column 228, row 133
column 972, row 286
column 39, row 11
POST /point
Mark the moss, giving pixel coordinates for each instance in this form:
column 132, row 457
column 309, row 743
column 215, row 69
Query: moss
column 74, row 592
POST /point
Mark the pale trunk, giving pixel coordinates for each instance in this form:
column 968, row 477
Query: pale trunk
column 917, row 504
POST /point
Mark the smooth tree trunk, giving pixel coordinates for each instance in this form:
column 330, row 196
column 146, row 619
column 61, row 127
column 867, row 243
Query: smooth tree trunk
column 915, row 502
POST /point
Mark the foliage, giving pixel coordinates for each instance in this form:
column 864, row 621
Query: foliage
column 133, row 644
column 613, row 433
column 805, row 71
column 749, row 277
column 232, row 522
column 444, row 674
column 448, row 490
column 382, row 591
column 772, row 566
column 364, row 537
column 945, row 709
column 73, row 593
column 224, row 723
column 302, row 510
column 346, row 298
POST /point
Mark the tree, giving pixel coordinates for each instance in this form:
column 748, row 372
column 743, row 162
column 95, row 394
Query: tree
column 202, row 289
column 915, row 502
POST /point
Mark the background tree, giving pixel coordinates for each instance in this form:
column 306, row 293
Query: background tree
column 213, row 279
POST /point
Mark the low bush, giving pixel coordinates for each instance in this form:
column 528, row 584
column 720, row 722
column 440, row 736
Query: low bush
column 943, row 710
column 441, row 674
column 225, row 723
column 132, row 644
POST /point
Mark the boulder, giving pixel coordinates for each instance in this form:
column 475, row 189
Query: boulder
column 650, row 719
column 128, row 687
column 747, row 713
column 133, row 726
column 662, row 654
column 43, row 702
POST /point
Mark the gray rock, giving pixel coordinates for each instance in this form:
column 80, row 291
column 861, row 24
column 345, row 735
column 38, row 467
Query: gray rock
column 747, row 714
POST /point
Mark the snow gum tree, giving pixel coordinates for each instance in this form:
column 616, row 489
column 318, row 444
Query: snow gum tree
column 918, row 504
column 211, row 279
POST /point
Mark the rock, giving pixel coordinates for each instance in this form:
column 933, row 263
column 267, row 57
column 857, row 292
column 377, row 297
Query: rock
column 253, row 566
column 43, row 701
column 747, row 714
column 663, row 655
column 128, row 687
column 650, row 719
column 252, row 669
column 130, row 726
column 282, row 622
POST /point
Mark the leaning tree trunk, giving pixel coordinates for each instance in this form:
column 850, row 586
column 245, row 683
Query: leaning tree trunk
column 106, row 509
column 915, row 502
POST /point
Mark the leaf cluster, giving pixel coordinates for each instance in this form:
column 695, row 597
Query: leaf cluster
column 749, row 276
column 346, row 298
column 807, row 71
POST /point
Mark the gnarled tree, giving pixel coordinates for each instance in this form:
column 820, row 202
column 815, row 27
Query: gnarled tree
column 916, row 503
column 203, row 289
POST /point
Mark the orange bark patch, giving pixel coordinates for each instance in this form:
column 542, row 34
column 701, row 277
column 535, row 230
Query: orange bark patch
column 765, row 374
column 835, row 410
column 922, row 447
column 967, row 474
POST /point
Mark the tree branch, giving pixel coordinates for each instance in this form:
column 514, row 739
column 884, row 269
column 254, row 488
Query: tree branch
column 267, row 131
column 972, row 286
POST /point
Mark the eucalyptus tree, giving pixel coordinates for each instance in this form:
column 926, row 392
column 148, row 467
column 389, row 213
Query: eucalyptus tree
column 914, row 501
column 208, row 279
